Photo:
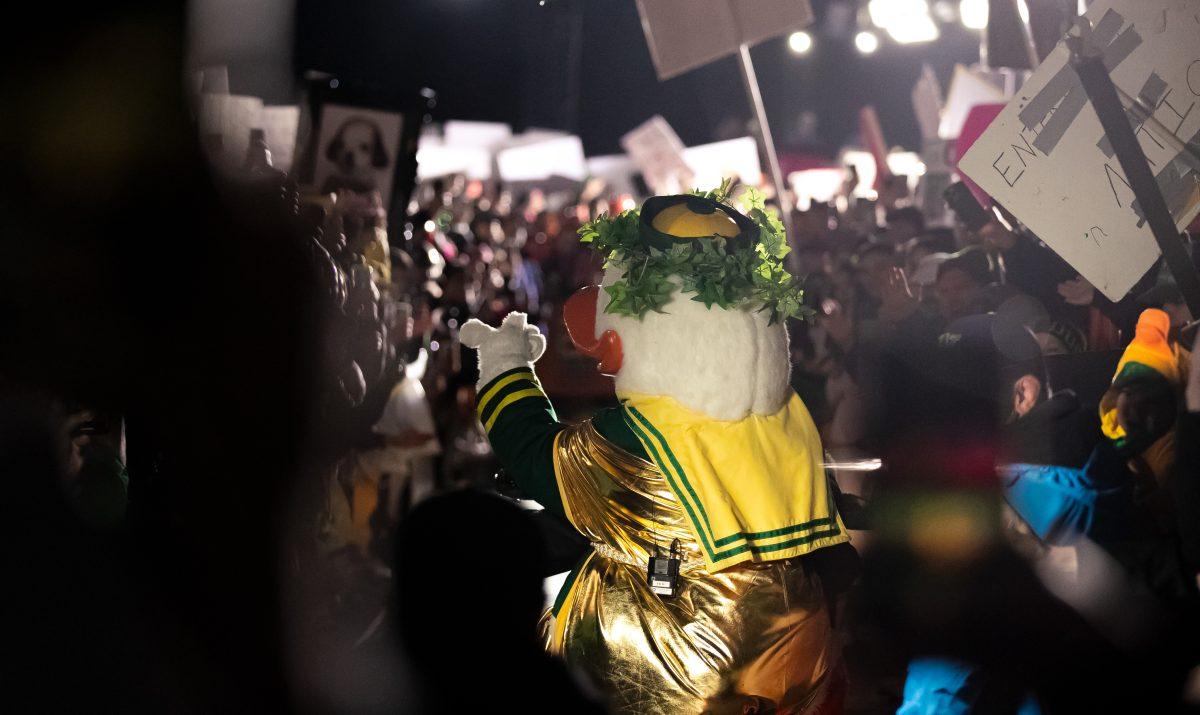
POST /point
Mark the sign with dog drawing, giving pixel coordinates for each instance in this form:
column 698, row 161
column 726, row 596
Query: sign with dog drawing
column 356, row 149
column 1046, row 159
column 359, row 138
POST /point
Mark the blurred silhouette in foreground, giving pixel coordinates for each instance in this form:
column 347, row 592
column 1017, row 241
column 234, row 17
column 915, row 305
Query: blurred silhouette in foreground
column 469, row 595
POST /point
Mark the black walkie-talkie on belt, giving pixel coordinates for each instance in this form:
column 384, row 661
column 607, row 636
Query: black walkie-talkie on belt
column 663, row 572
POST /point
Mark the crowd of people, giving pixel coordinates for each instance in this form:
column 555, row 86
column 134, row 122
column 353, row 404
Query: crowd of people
column 1079, row 493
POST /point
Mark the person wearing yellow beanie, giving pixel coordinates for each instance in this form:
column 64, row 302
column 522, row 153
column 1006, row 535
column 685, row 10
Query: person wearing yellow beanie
column 1138, row 411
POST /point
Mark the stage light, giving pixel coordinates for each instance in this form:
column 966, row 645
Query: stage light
column 800, row 42
column 866, row 42
column 974, row 14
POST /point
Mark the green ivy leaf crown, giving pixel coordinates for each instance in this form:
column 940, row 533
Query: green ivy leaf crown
column 730, row 272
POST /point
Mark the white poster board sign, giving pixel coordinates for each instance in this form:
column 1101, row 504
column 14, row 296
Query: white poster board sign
column 1046, row 160
column 357, row 149
column 542, row 158
column 968, row 88
column 231, row 117
column 279, row 124
column 713, row 163
column 457, row 133
column 685, row 34
column 658, row 153
column 436, row 158
column 816, row 185
column 460, row 148
column 616, row 170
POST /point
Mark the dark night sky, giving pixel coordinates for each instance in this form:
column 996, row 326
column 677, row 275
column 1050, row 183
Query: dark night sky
column 583, row 66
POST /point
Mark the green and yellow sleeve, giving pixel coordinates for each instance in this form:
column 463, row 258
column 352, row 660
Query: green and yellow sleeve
column 521, row 425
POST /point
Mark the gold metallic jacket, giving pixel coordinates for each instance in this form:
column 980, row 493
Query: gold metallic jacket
column 755, row 637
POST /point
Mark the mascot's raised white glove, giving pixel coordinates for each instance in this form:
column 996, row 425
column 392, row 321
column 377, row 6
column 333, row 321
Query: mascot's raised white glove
column 514, row 344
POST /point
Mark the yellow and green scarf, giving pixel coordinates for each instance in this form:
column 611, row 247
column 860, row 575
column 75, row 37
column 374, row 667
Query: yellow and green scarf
column 754, row 489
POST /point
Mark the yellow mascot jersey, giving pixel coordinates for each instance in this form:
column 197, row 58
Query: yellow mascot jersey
column 753, row 489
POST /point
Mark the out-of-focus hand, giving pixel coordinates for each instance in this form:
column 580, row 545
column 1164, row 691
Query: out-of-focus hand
column 422, row 321
column 996, row 237
column 1077, row 291
column 839, row 324
column 897, row 301
column 401, row 328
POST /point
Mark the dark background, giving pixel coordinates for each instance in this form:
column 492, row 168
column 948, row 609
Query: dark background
column 583, row 66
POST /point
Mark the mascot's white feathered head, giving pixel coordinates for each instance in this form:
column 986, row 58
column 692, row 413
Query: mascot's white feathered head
column 691, row 306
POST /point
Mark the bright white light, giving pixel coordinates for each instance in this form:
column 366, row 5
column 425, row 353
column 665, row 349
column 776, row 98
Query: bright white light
column 866, row 42
column 1082, row 6
column 1023, row 11
column 800, row 42
column 907, row 21
column 974, row 14
column 916, row 28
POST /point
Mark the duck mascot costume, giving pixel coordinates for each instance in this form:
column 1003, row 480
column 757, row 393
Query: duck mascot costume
column 703, row 493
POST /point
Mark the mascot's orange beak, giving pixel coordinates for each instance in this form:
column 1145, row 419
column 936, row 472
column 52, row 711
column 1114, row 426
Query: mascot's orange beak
column 579, row 315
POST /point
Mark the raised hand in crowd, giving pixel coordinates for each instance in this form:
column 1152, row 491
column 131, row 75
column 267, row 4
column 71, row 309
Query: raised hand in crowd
column 838, row 321
column 1077, row 291
column 897, row 299
column 996, row 236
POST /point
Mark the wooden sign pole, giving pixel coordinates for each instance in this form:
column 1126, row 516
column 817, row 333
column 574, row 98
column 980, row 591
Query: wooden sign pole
column 764, row 134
